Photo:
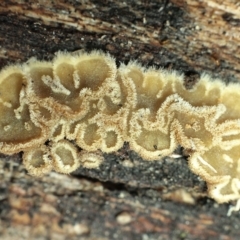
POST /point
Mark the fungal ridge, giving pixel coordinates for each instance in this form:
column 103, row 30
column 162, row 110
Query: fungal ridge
column 63, row 113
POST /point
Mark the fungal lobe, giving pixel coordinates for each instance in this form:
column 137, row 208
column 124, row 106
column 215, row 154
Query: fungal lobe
column 18, row 131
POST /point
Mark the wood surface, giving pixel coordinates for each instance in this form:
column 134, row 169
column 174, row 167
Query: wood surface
column 127, row 197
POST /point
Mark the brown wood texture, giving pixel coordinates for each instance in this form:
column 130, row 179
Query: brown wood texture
column 127, row 197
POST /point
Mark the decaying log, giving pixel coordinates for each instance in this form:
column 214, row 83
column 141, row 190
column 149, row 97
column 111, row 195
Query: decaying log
column 127, row 197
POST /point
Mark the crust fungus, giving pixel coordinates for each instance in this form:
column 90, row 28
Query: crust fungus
column 80, row 104
column 91, row 159
column 19, row 131
column 70, row 82
column 37, row 161
column 65, row 157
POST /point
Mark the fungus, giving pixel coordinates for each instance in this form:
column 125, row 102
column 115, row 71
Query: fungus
column 91, row 159
column 19, row 131
column 64, row 113
column 37, row 161
column 67, row 84
column 105, row 125
column 65, row 157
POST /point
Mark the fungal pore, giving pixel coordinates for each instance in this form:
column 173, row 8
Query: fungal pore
column 62, row 113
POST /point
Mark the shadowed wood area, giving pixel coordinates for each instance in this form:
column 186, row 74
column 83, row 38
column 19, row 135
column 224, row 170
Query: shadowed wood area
column 127, row 197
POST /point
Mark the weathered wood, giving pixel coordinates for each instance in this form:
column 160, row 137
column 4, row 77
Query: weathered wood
column 126, row 198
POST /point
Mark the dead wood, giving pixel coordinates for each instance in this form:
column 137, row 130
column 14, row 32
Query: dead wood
column 127, row 197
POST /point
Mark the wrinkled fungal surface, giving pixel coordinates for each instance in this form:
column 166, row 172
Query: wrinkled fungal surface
column 63, row 113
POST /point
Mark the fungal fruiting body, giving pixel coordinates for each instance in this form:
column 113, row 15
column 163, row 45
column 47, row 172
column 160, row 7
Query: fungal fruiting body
column 62, row 113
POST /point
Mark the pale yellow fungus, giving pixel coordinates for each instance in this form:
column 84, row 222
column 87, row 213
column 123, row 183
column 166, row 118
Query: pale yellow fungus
column 37, row 161
column 91, row 159
column 65, row 157
column 18, row 131
column 62, row 113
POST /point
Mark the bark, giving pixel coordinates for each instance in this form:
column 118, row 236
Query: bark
column 127, row 197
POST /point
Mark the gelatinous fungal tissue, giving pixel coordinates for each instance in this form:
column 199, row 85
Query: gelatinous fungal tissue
column 81, row 104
